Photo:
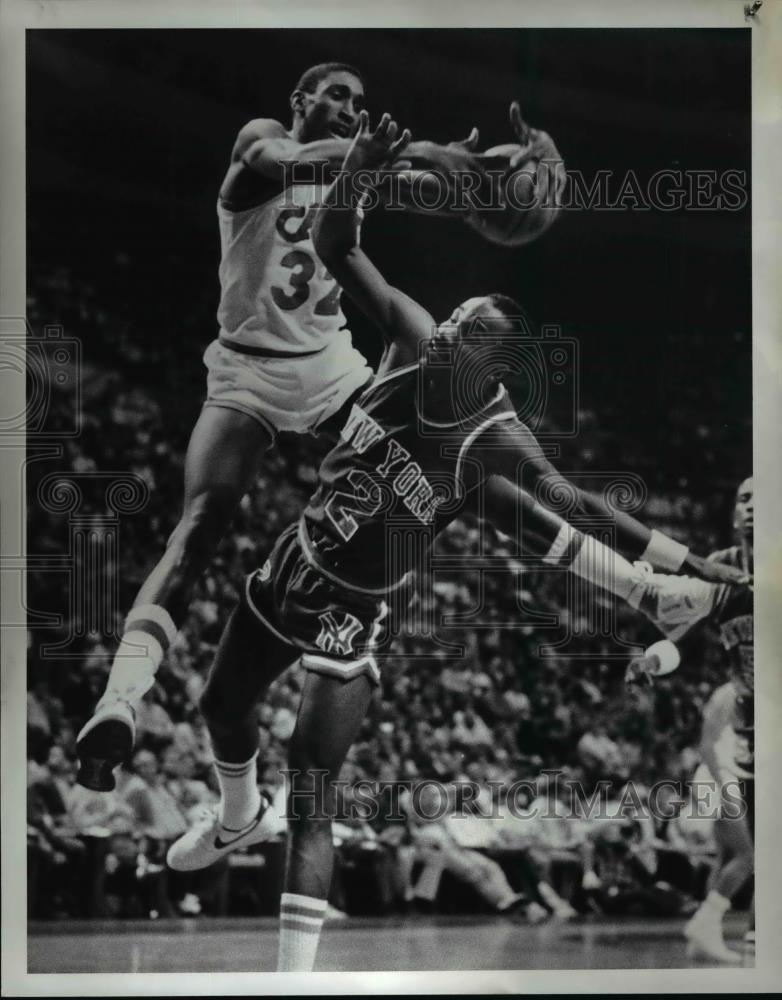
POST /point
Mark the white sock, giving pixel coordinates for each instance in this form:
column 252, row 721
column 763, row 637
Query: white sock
column 715, row 904
column 240, row 799
column 602, row 566
column 149, row 631
column 664, row 553
column 301, row 919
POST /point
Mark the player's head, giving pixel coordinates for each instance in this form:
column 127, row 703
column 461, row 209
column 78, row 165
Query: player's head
column 482, row 315
column 744, row 511
column 326, row 102
column 479, row 342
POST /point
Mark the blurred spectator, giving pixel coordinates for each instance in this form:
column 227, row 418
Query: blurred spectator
column 599, row 755
column 156, row 812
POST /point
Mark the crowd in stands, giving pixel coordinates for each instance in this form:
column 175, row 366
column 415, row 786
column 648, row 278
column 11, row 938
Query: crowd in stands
column 519, row 698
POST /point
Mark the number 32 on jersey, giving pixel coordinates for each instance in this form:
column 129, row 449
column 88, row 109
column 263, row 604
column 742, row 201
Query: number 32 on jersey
column 303, row 266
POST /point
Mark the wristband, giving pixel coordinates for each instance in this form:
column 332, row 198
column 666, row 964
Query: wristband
column 667, row 655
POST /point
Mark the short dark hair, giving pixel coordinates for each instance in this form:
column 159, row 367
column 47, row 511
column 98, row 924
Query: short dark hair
column 310, row 79
column 506, row 305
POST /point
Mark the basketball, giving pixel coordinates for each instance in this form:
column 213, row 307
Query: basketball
column 521, row 201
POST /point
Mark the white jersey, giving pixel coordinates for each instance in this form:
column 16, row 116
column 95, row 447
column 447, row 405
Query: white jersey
column 274, row 292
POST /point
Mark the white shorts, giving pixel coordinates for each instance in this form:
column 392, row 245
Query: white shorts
column 286, row 394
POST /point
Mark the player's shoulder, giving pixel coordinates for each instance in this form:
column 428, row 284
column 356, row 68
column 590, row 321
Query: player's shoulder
column 259, row 128
column 500, row 424
column 728, row 557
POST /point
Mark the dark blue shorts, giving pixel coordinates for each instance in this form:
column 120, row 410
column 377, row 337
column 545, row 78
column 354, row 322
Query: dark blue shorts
column 336, row 628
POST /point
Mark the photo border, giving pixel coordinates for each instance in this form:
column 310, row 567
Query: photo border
column 766, row 28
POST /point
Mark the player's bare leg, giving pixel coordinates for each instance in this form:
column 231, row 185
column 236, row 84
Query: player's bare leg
column 545, row 483
column 223, row 457
column 704, row 929
column 329, row 719
column 249, row 658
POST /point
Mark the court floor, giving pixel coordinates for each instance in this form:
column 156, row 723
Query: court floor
column 365, row 944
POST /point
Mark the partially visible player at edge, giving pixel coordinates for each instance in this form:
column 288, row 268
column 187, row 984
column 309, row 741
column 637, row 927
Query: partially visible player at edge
column 283, row 361
column 727, row 744
column 324, row 593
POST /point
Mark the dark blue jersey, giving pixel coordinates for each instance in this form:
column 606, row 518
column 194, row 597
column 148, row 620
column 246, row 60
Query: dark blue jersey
column 735, row 619
column 734, row 616
column 393, row 481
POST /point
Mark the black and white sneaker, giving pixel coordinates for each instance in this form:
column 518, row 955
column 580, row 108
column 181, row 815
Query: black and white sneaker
column 209, row 840
column 104, row 743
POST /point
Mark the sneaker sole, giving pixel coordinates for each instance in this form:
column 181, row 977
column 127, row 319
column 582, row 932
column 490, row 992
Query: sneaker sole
column 101, row 750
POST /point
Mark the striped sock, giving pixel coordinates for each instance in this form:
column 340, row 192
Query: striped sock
column 592, row 561
column 149, row 631
column 240, row 799
column 301, row 918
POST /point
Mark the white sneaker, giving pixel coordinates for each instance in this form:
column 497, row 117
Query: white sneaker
column 105, row 742
column 704, row 940
column 560, row 907
column 674, row 603
column 208, row 840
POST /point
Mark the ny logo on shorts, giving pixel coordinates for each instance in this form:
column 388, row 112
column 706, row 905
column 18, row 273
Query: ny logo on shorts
column 335, row 636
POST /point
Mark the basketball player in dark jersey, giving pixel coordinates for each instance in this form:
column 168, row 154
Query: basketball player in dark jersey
column 735, row 616
column 434, row 431
column 730, row 753
column 727, row 742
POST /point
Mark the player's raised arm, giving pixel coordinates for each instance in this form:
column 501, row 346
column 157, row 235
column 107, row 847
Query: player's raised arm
column 264, row 146
column 335, row 235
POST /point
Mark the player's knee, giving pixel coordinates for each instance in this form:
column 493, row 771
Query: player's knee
column 216, row 711
column 202, row 525
column 311, row 800
column 209, row 705
column 308, row 751
column 313, row 789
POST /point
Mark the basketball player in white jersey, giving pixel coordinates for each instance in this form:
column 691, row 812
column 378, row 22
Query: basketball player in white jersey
column 282, row 362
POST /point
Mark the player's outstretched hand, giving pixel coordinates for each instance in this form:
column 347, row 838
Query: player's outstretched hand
column 639, row 673
column 372, row 150
column 533, row 143
column 659, row 659
column 531, row 147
